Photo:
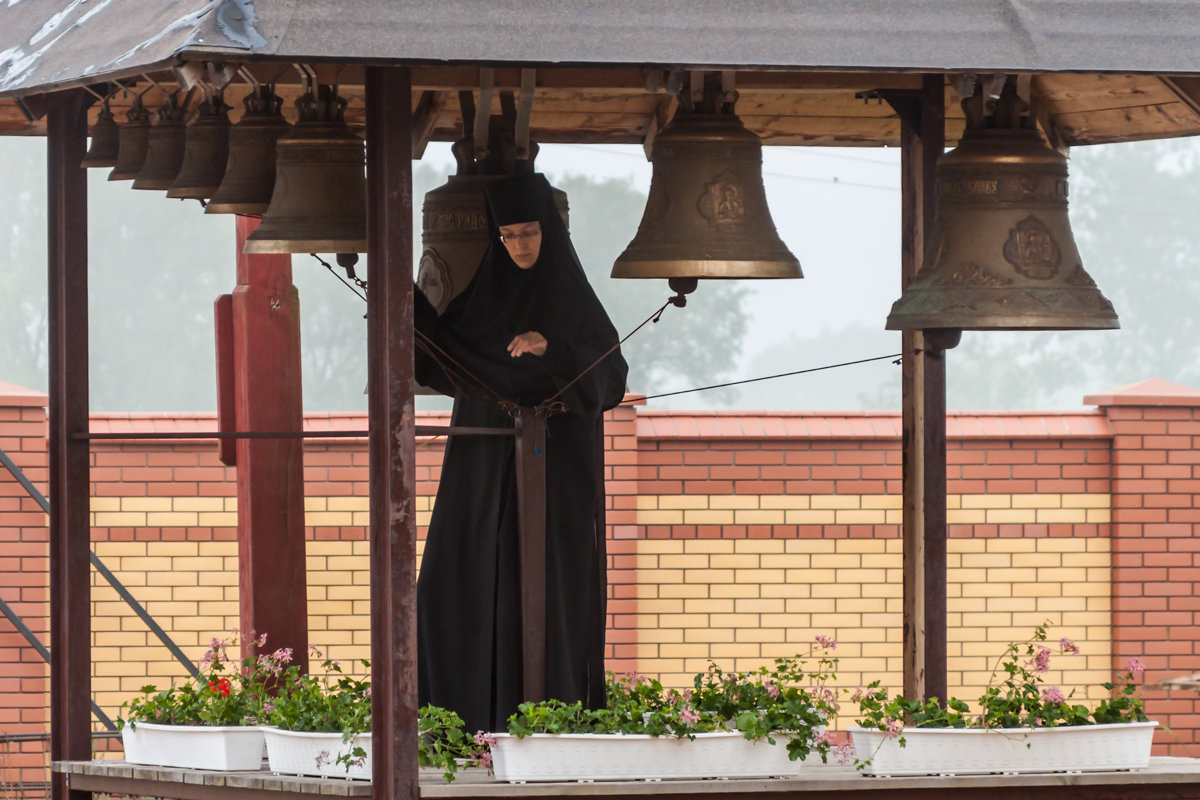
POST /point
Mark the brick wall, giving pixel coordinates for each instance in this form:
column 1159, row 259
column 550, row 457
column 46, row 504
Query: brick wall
column 732, row 536
column 23, row 584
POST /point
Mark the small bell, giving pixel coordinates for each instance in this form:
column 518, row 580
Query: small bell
column 319, row 204
column 105, row 141
column 249, row 176
column 706, row 213
column 164, row 153
column 1001, row 254
column 133, row 137
column 205, row 152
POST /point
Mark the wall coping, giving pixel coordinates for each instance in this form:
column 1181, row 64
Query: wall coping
column 664, row 424
column 1152, row 392
column 12, row 395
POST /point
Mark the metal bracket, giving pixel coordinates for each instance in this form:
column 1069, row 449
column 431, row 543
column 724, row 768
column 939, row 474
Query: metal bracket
column 525, row 112
column 483, row 111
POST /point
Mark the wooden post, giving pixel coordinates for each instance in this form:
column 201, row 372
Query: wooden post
column 531, row 502
column 392, row 431
column 265, row 312
column 923, row 408
column 70, row 488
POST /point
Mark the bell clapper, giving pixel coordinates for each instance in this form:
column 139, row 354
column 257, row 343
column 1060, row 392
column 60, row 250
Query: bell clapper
column 682, row 288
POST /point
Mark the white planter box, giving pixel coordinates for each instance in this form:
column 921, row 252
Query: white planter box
column 194, row 746
column 308, row 753
column 601, row 757
column 954, row 751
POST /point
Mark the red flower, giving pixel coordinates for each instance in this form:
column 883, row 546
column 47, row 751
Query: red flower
column 220, row 686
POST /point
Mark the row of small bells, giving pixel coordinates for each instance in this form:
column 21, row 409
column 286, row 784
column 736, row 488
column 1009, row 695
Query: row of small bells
column 1001, row 256
column 306, row 179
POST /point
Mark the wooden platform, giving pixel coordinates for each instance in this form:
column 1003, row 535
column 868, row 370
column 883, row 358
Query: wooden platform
column 1174, row 778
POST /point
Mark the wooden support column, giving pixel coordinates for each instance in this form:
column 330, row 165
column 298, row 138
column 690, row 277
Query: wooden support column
column 392, row 445
column 531, row 500
column 70, row 489
column 923, row 407
column 265, row 312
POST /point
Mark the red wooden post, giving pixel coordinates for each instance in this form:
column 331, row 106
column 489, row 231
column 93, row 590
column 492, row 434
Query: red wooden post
column 392, row 430
column 270, row 472
column 226, row 383
column 70, row 488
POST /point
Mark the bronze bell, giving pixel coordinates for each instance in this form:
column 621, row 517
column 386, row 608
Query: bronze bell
column 105, row 141
column 164, row 153
column 706, row 214
column 205, row 152
column 1001, row 254
column 319, row 204
column 132, row 137
column 250, row 171
column 454, row 229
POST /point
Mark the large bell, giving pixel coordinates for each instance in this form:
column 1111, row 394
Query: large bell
column 132, row 137
column 454, row 229
column 1001, row 254
column 205, row 153
column 164, row 153
column 250, row 171
column 105, row 141
column 706, row 214
column 319, row 204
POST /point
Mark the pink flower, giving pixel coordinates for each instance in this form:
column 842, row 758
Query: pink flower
column 1067, row 646
column 826, row 642
column 772, row 689
column 687, row 695
column 1053, row 695
column 484, row 739
column 1135, row 666
column 689, row 715
column 893, row 729
column 1041, row 659
column 824, row 737
column 844, row 753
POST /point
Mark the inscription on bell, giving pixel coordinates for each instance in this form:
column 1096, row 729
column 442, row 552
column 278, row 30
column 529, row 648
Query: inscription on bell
column 1031, row 249
column 723, row 204
column 982, row 187
column 454, row 221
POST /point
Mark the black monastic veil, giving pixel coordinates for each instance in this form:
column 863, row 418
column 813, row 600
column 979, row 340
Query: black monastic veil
column 468, row 600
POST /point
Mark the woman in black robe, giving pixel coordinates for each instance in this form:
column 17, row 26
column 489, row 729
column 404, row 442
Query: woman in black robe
column 526, row 326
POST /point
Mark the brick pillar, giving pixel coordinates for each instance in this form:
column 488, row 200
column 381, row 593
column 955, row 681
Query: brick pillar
column 23, row 564
column 620, row 473
column 1155, row 550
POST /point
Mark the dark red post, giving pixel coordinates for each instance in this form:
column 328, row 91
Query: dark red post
column 70, row 489
column 392, row 446
column 265, row 312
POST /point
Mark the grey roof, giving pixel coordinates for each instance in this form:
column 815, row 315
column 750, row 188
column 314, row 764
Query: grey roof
column 52, row 43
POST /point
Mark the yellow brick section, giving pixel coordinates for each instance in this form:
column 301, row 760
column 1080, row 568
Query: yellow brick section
column 191, row 590
column 967, row 509
column 744, row 602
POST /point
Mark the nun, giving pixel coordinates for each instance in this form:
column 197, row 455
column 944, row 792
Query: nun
column 522, row 333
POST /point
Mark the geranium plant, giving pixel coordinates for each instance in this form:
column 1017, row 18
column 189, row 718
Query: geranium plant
column 790, row 701
column 1016, row 697
column 227, row 691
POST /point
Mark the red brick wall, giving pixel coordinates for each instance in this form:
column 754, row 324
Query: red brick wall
column 23, row 584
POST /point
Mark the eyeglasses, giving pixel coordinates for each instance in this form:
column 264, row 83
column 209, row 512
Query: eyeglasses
column 513, row 238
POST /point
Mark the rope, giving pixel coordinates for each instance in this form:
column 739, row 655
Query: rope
column 895, row 357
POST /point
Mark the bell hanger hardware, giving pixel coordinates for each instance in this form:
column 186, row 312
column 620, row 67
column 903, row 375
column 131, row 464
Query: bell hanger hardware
column 706, row 212
column 1001, row 255
column 105, row 144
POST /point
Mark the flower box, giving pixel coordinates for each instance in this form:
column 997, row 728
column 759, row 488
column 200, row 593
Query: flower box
column 601, row 757
column 978, row 751
column 309, row 753
column 230, row 748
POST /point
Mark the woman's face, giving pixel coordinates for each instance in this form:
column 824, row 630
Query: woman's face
column 524, row 242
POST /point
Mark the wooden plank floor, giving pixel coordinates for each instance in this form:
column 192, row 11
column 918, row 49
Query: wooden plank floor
column 1167, row 778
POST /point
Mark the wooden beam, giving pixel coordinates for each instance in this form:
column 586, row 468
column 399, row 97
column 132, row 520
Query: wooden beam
column 425, row 117
column 392, row 443
column 1187, row 89
column 272, row 571
column 70, row 486
column 922, row 137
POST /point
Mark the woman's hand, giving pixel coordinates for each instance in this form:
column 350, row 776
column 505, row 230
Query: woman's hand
column 529, row 342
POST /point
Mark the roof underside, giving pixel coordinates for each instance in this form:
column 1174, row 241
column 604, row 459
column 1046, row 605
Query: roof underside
column 1105, row 70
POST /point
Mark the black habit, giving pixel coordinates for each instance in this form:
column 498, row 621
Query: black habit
column 468, row 601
